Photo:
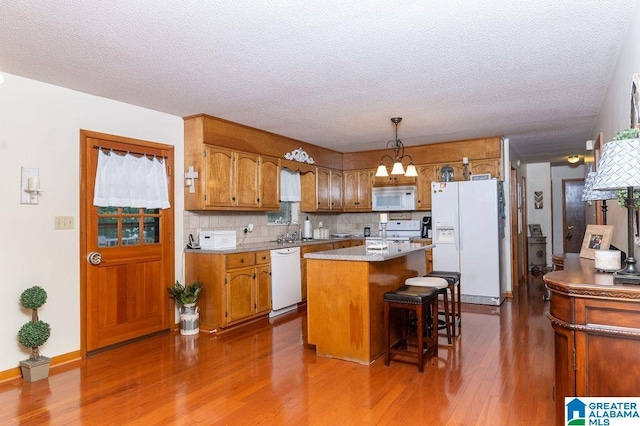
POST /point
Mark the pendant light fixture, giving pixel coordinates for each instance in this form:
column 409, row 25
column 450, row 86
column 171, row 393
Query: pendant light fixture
column 398, row 156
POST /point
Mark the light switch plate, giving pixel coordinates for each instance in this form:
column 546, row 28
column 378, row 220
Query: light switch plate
column 63, row 222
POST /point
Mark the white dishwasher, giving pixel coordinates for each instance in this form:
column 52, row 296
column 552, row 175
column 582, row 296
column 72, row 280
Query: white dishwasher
column 286, row 287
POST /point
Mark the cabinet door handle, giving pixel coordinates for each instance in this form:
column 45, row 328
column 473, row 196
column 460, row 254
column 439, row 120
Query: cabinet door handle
column 241, row 260
column 233, row 198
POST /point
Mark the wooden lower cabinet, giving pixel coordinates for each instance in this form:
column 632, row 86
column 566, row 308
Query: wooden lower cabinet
column 236, row 287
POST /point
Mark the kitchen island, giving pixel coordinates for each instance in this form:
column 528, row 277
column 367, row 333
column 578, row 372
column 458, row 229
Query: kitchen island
column 344, row 301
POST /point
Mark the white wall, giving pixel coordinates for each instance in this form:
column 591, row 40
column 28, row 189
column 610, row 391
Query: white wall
column 615, row 116
column 539, row 179
column 39, row 127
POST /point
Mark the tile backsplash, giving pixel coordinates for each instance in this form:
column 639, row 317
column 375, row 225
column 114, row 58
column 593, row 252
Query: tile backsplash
column 352, row 223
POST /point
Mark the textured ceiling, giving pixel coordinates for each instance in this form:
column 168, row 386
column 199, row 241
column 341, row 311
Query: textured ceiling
column 333, row 73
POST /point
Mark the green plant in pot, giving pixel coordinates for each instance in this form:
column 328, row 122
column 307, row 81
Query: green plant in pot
column 34, row 334
column 186, row 297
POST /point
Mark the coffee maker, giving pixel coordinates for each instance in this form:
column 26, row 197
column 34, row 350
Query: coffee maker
column 425, row 229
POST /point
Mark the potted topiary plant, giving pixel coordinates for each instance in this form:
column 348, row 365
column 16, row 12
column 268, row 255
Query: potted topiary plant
column 33, row 335
column 187, row 297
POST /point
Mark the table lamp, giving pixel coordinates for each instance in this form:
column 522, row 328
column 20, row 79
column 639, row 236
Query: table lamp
column 619, row 169
column 590, row 194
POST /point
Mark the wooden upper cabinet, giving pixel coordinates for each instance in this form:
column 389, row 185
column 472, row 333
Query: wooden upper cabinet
column 357, row 189
column 246, row 190
column 269, row 196
column 323, row 188
column 240, row 180
column 335, row 195
column 308, row 191
column 219, row 177
column 426, row 175
column 491, row 166
column 398, row 180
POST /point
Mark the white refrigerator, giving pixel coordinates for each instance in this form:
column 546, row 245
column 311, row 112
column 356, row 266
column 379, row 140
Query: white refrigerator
column 468, row 226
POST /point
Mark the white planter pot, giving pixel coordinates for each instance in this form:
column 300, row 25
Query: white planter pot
column 35, row 370
column 189, row 319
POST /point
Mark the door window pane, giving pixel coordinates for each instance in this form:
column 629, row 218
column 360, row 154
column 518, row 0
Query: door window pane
column 107, row 231
column 130, row 231
column 151, row 230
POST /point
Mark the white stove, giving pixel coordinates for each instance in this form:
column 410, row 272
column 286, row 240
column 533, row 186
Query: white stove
column 398, row 231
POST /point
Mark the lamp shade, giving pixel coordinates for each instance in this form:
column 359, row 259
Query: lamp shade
column 411, row 171
column 397, row 168
column 619, row 166
column 382, row 171
column 590, row 194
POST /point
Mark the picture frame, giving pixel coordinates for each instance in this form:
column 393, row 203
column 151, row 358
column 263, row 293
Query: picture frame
column 596, row 237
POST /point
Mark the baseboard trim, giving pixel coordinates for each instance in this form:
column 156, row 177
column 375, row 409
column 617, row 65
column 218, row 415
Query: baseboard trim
column 56, row 361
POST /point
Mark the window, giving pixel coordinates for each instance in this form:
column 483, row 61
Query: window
column 123, row 226
column 289, row 212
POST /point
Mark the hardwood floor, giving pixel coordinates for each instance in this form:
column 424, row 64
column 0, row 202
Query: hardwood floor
column 499, row 371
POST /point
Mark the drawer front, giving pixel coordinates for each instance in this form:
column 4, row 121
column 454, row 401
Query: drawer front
column 263, row 257
column 238, row 260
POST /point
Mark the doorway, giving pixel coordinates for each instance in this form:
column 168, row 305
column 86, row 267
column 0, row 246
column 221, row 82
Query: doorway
column 127, row 254
column 573, row 215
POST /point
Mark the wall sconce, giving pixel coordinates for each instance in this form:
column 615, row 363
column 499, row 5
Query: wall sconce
column 573, row 159
column 30, row 185
column 399, row 155
column 189, row 179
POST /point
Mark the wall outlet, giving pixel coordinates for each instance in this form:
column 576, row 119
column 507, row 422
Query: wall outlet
column 250, row 227
column 63, row 222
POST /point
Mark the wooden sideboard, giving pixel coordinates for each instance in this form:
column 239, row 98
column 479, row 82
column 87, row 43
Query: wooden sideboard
column 597, row 332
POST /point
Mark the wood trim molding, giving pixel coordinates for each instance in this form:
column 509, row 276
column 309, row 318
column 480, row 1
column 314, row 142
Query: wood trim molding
column 56, row 361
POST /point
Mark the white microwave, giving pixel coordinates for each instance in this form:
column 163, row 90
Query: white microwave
column 393, row 198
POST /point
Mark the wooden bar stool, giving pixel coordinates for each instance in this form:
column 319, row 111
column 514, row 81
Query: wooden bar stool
column 442, row 286
column 417, row 300
column 453, row 278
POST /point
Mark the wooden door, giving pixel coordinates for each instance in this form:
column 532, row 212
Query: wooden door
column 240, row 297
column 246, row 185
column 270, row 183
column 573, row 215
column 123, row 296
column 220, row 172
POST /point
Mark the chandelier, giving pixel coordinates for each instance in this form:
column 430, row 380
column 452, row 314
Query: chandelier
column 398, row 156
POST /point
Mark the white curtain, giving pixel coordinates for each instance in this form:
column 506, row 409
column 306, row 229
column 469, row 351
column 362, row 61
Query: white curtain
column 289, row 185
column 130, row 181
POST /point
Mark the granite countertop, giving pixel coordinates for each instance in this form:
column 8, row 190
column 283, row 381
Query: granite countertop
column 360, row 253
column 269, row 245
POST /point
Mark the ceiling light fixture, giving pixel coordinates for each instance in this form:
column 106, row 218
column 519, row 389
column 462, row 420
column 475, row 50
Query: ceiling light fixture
column 399, row 155
column 573, row 159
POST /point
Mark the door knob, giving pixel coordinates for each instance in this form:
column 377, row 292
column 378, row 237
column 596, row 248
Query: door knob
column 94, row 258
